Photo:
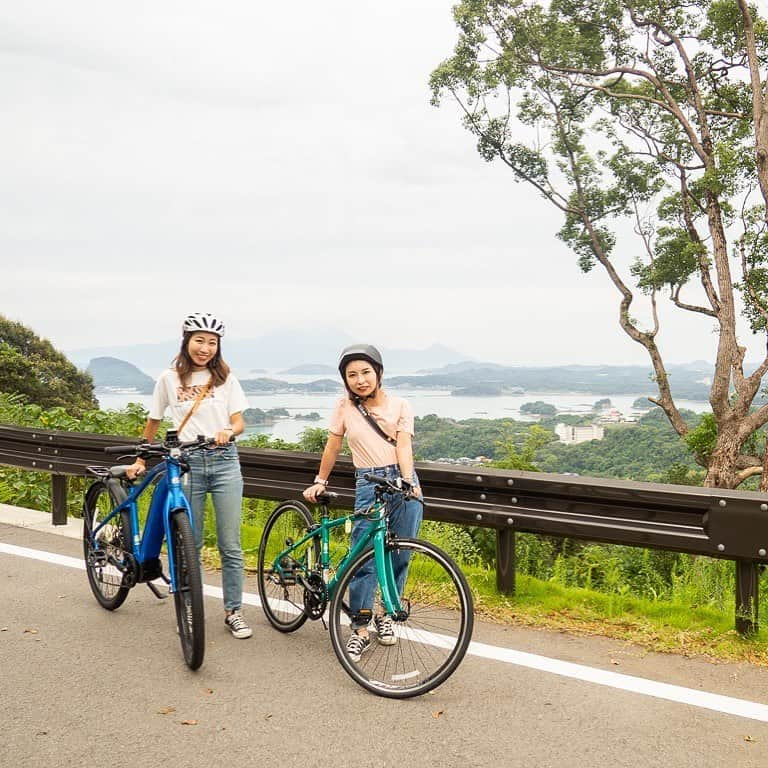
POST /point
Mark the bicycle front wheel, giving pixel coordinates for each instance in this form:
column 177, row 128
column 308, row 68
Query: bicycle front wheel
column 188, row 596
column 106, row 556
column 280, row 582
column 430, row 638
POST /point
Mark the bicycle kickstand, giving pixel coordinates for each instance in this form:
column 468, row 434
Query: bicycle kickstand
column 156, row 592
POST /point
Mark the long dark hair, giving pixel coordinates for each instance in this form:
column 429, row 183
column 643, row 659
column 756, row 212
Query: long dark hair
column 184, row 365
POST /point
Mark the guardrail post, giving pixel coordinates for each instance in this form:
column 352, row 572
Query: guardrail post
column 746, row 597
column 59, row 499
column 505, row 561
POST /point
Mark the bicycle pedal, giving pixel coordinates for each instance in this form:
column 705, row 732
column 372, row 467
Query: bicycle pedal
column 97, row 559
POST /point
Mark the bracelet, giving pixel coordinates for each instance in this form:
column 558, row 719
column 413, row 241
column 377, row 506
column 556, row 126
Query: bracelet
column 319, row 481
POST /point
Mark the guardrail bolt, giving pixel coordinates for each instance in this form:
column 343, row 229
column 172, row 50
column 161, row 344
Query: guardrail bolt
column 721, row 547
column 513, row 500
column 510, row 481
column 510, row 521
column 483, row 497
column 723, row 503
column 764, row 507
column 478, row 516
column 479, row 478
column 761, row 552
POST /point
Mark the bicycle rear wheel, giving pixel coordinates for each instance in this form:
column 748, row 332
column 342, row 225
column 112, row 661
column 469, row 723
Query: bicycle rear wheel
column 430, row 639
column 107, row 560
column 188, row 596
column 280, row 584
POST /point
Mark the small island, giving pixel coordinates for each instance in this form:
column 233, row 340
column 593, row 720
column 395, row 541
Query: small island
column 538, row 408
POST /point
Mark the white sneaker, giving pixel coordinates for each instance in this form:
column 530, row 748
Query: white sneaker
column 357, row 645
column 385, row 630
column 238, row 626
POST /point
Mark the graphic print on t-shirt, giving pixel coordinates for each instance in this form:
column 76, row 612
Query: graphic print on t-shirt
column 183, row 394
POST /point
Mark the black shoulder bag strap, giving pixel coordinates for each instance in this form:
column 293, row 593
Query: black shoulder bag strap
column 367, row 416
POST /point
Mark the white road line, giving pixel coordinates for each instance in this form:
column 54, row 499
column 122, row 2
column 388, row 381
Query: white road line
column 726, row 704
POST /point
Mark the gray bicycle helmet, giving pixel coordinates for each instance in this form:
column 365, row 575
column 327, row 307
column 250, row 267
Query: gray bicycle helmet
column 202, row 321
column 361, row 352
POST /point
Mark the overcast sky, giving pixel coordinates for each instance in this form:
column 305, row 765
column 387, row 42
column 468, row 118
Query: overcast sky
column 278, row 164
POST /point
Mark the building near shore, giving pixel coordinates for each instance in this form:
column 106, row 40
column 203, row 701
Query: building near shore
column 571, row 435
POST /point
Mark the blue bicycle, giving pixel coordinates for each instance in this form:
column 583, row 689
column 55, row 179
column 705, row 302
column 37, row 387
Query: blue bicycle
column 119, row 554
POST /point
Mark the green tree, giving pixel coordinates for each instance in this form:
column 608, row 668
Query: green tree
column 32, row 367
column 523, row 457
column 649, row 114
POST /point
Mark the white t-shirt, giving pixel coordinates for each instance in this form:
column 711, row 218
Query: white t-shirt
column 213, row 412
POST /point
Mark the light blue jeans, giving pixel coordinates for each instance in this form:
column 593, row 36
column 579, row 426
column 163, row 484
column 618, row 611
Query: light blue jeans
column 404, row 522
column 218, row 472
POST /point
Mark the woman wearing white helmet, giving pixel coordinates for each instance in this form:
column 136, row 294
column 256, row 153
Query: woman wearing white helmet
column 379, row 432
column 203, row 397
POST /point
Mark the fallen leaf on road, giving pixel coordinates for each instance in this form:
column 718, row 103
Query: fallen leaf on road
column 166, row 710
column 189, row 722
column 209, row 690
column 748, row 738
column 266, row 717
column 3, row 629
column 437, row 714
column 615, row 661
column 30, row 631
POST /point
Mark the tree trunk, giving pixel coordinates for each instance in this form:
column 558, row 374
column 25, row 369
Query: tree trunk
column 722, row 469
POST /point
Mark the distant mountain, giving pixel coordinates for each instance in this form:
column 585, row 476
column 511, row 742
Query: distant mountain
column 688, row 381
column 111, row 373
column 277, row 350
column 311, row 369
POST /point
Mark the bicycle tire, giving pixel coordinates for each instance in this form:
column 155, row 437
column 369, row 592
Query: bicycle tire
column 188, row 597
column 107, row 581
column 430, row 642
column 282, row 599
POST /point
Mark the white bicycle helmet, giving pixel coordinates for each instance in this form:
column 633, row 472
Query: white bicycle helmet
column 203, row 321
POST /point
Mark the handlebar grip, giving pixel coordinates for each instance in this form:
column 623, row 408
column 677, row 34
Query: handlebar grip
column 376, row 479
column 121, row 450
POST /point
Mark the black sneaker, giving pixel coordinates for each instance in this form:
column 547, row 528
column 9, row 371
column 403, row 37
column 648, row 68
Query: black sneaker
column 238, row 626
column 357, row 645
column 385, row 630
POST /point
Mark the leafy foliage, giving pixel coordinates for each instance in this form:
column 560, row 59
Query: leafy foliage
column 30, row 366
column 626, row 113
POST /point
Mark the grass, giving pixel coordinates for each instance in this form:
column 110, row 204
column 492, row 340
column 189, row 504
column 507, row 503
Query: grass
column 656, row 625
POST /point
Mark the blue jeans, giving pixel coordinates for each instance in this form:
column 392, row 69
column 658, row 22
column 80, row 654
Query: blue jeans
column 404, row 521
column 218, row 472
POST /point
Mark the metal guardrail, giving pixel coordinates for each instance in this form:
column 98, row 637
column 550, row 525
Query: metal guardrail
column 698, row 521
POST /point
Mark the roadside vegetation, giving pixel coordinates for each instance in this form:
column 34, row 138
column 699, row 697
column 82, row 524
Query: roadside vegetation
column 663, row 601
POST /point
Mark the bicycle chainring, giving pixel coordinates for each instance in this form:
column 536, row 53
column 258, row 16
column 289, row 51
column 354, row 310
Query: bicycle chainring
column 315, row 596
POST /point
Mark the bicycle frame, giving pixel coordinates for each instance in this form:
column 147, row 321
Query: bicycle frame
column 167, row 498
column 376, row 535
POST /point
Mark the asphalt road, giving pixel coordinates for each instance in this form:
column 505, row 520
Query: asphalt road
column 80, row 686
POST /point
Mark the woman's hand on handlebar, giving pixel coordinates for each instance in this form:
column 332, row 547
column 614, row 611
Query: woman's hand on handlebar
column 314, row 490
column 224, row 437
column 137, row 468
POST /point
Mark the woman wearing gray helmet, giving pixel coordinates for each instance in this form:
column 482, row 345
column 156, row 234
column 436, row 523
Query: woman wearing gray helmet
column 203, row 397
column 379, row 432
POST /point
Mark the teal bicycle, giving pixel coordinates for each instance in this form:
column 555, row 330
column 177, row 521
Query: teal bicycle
column 302, row 577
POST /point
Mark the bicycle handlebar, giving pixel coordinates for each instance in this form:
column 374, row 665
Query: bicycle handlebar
column 400, row 486
column 161, row 449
